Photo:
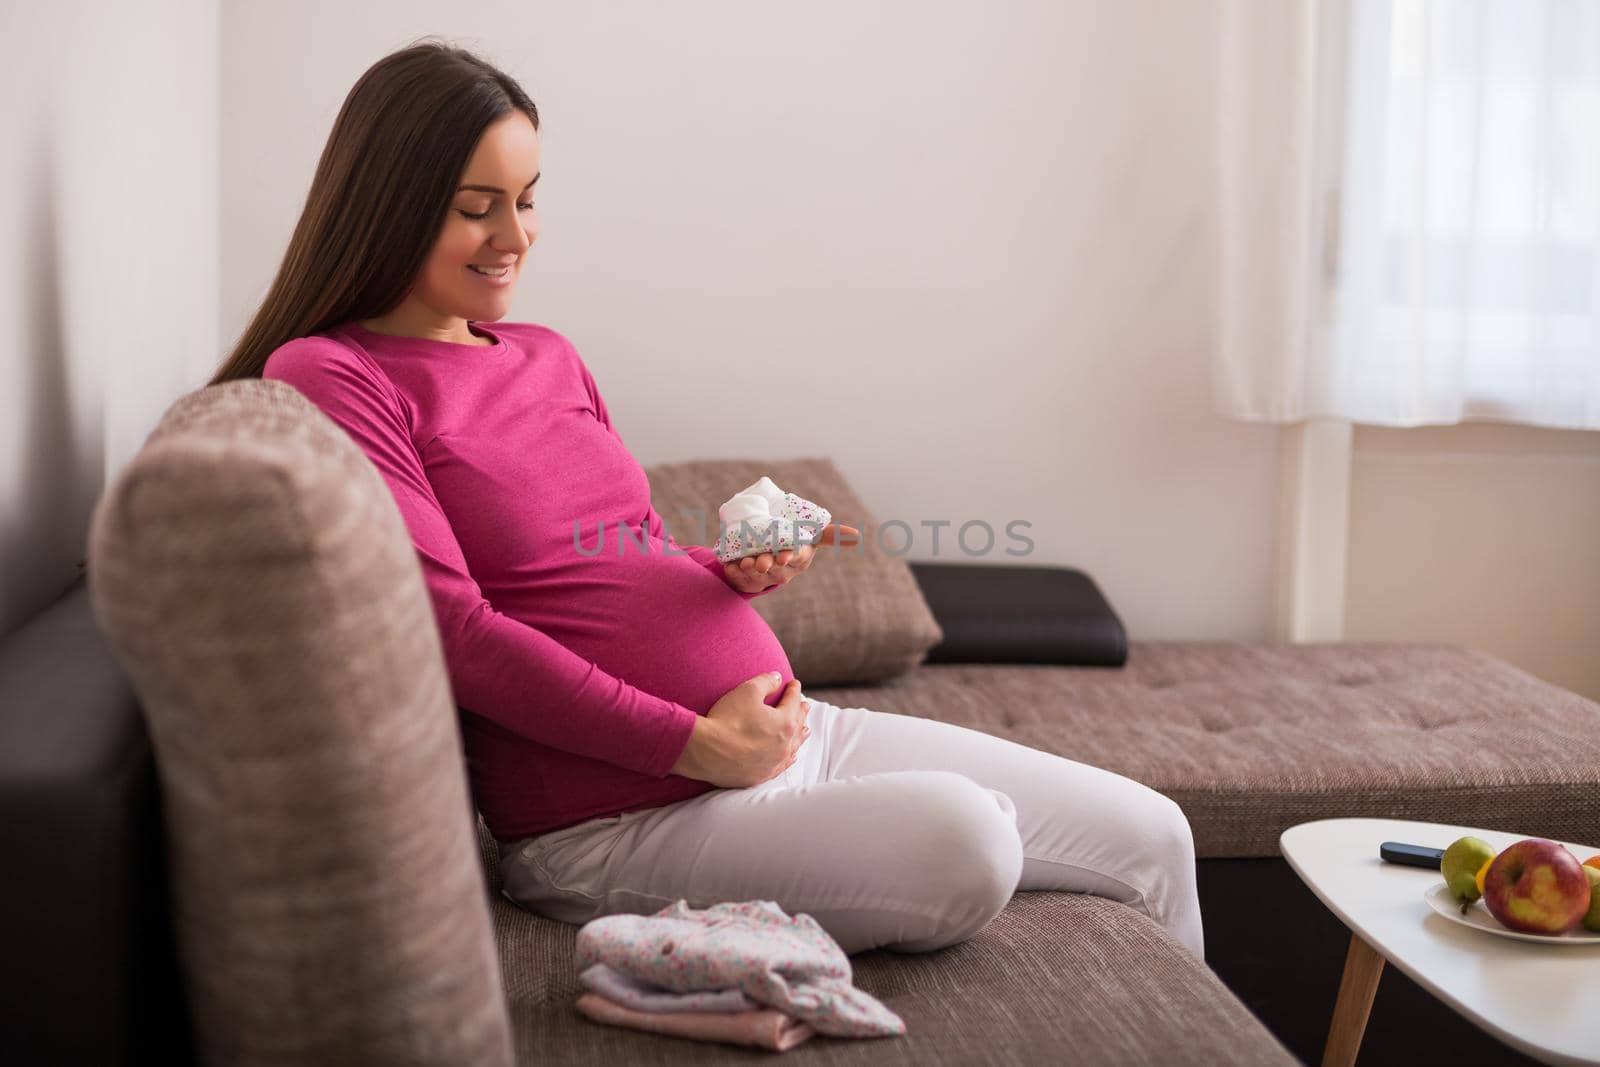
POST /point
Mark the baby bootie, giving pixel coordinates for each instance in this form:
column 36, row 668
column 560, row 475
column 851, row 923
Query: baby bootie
column 763, row 518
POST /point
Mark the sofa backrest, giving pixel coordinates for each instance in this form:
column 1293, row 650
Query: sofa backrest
column 259, row 586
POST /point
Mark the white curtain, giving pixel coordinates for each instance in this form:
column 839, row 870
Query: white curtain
column 1410, row 211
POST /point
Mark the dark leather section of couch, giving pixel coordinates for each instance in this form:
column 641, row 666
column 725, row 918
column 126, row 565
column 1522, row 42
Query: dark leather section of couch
column 91, row 971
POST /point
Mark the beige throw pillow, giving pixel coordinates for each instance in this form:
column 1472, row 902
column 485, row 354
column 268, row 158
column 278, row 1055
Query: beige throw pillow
column 856, row 615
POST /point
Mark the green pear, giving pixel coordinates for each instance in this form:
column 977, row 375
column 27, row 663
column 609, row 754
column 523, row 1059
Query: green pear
column 1591, row 921
column 1460, row 866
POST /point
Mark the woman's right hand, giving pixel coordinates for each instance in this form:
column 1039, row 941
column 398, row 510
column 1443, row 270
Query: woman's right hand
column 743, row 740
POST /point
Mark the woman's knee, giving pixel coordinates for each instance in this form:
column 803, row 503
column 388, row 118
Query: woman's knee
column 969, row 854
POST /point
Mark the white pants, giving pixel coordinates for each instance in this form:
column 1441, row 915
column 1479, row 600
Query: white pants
column 889, row 830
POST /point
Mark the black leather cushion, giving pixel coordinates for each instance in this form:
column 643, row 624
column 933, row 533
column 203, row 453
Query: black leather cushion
column 1020, row 614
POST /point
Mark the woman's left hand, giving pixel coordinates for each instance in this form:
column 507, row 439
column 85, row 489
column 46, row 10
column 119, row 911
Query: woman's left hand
column 752, row 574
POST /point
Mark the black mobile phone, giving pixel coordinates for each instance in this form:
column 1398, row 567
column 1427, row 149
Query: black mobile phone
column 1411, row 855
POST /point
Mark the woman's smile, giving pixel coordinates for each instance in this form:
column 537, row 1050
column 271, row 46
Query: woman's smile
column 501, row 277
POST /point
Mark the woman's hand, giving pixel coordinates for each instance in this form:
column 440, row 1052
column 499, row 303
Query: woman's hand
column 743, row 740
column 755, row 573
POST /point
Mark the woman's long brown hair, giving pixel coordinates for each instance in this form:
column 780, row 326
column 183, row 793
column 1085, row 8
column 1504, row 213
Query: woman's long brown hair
column 380, row 195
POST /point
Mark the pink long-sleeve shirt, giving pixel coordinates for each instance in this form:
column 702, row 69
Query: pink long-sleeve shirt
column 578, row 670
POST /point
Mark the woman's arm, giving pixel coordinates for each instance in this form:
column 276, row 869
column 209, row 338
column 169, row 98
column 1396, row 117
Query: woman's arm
column 702, row 555
column 499, row 668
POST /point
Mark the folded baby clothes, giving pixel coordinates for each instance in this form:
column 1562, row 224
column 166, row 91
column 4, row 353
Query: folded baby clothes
column 763, row 1028
column 787, row 963
column 763, row 518
column 630, row 992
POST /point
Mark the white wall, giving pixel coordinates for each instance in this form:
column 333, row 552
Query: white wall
column 1480, row 534
column 108, row 295
column 960, row 249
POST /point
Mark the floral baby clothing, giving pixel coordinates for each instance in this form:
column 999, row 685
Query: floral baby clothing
column 763, row 518
column 630, row 992
column 782, row 962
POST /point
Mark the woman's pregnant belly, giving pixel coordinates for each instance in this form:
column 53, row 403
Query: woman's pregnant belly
column 660, row 621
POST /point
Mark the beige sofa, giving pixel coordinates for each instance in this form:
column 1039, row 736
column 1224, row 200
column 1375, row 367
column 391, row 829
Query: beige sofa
column 259, row 588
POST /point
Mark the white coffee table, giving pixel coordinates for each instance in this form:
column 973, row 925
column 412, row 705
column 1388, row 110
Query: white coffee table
column 1541, row 999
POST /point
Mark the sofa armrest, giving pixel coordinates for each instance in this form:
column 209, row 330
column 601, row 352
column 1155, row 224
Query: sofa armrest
column 92, row 973
column 1020, row 614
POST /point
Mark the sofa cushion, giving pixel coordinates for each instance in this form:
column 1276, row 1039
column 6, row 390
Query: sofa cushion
column 856, row 615
column 1020, row 613
column 1055, row 977
column 258, row 584
column 1251, row 739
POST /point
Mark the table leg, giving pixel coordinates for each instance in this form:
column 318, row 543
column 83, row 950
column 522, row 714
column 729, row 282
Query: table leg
column 1362, row 969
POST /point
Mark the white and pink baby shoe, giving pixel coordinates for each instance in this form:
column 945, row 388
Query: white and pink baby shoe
column 763, row 518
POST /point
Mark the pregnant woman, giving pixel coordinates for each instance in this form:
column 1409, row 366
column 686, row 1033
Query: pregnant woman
column 633, row 732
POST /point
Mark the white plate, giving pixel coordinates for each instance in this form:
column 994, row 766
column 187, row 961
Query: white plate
column 1478, row 917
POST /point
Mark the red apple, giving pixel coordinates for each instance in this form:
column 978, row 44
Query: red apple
column 1536, row 886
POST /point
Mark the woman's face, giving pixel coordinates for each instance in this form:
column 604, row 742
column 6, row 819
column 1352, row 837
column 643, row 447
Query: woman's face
column 491, row 224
